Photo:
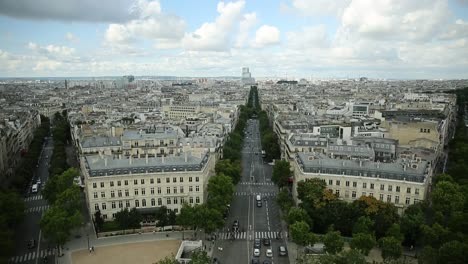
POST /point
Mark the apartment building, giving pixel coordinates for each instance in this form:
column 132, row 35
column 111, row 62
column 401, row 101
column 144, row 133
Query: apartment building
column 402, row 183
column 145, row 183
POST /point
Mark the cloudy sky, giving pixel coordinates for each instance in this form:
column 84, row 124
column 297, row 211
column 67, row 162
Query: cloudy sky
column 275, row 38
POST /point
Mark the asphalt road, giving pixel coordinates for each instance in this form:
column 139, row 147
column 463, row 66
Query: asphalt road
column 237, row 245
column 35, row 207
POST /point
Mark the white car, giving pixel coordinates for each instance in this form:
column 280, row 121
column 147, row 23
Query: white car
column 256, row 252
column 269, row 253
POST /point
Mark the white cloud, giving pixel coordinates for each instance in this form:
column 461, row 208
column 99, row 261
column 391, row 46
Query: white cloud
column 308, row 37
column 266, row 35
column 248, row 21
column 216, row 36
column 70, row 37
column 52, row 50
column 47, row 66
column 318, row 7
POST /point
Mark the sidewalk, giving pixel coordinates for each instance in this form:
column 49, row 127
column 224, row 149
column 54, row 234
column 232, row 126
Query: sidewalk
column 81, row 243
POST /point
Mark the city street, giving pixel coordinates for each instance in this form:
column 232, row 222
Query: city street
column 255, row 221
column 35, row 206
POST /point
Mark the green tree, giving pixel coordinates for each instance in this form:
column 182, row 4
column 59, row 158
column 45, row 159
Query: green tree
column 434, row 235
column 345, row 257
column 212, row 219
column 69, row 199
column 284, row 200
column 311, row 191
column 200, row 257
column 220, row 192
column 230, row 169
column 411, row 222
column 300, row 233
column 135, row 218
column 281, row 173
column 333, row 242
column 11, row 208
column 161, row 216
column 58, row 184
column 391, row 248
column 394, row 231
column 297, row 214
column 447, row 198
column 98, row 220
column 453, row 252
column 123, row 218
column 168, row 260
column 363, row 242
column 364, row 225
column 56, row 224
column 428, row 255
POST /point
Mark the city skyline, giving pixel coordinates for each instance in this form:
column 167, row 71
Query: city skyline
column 297, row 38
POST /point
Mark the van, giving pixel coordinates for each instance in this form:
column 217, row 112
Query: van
column 259, row 198
column 34, row 188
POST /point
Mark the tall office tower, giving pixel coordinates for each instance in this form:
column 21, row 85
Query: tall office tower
column 247, row 77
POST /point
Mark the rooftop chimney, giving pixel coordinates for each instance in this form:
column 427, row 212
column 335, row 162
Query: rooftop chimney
column 360, row 163
column 105, row 162
column 162, row 159
column 146, row 158
column 186, row 157
column 130, row 160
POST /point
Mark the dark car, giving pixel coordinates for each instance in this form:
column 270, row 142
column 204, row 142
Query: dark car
column 257, row 243
column 267, row 261
column 216, row 261
column 266, row 242
column 31, row 243
column 236, row 223
column 255, row 261
column 259, row 203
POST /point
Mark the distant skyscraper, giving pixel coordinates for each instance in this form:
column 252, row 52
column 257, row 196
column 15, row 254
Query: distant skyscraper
column 247, row 77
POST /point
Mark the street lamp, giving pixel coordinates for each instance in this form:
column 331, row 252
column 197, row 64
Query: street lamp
column 87, row 236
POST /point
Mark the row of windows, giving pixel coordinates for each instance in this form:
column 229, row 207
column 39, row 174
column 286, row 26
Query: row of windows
column 152, row 203
column 142, row 181
column 424, row 130
column 381, row 197
column 175, row 189
column 372, row 186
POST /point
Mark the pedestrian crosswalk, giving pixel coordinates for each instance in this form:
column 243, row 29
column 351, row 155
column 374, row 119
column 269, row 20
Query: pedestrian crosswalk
column 244, row 235
column 254, row 194
column 32, row 255
column 36, row 209
column 256, row 183
column 33, row 198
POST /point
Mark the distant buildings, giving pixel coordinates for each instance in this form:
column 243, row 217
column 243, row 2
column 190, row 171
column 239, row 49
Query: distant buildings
column 247, row 77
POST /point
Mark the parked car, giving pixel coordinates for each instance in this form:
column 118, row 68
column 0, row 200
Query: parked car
column 257, row 243
column 255, row 261
column 282, row 251
column 269, row 253
column 31, row 244
column 256, row 252
column 266, row 261
column 266, row 242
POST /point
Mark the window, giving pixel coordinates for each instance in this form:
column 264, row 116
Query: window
column 113, row 215
column 159, row 190
column 143, row 191
column 102, row 185
column 354, row 184
column 346, row 194
column 103, row 195
column 158, row 180
column 353, row 195
column 337, row 193
column 152, row 190
column 126, row 182
column 364, row 185
column 408, row 190
column 137, row 203
column 104, row 216
column 136, row 191
column 416, row 191
column 347, row 183
column 389, row 198
column 153, row 202
column 135, row 182
column 390, row 188
column 191, row 200
column 143, row 202
column 168, row 200
column 113, row 205
column 407, row 200
column 381, row 197
column 174, row 179
column 197, row 200
column 159, row 201
column 119, row 183
column 168, row 180
column 175, row 200
column 168, row 190
column 94, row 185
column 371, row 194
column 190, row 188
column 120, row 204
column 111, row 184
column 127, row 193
column 182, row 200
column 104, row 207
column 95, row 195
column 151, row 181
column 181, row 189
column 181, row 179
column 96, row 207
column 127, row 204
column 397, row 199
column 197, row 188
column 112, row 194
column 372, row 186
column 398, row 189
column 190, row 179
column 197, row 179
column 330, row 182
column 382, row 187
column 363, row 194
column 142, row 181
column 337, row 183
column 416, row 200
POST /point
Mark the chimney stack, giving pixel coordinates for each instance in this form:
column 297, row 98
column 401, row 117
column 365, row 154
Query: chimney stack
column 186, row 157
column 360, row 163
column 105, row 162
column 130, row 160
column 162, row 158
column 146, row 158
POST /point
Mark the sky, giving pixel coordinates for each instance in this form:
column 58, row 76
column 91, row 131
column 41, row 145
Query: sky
column 392, row 39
